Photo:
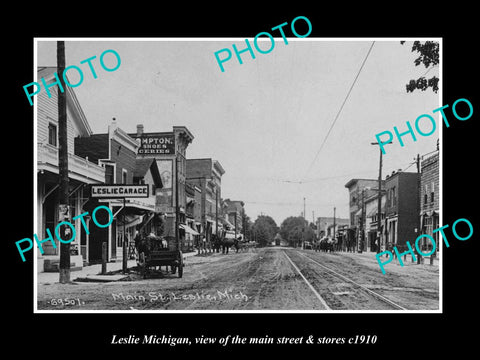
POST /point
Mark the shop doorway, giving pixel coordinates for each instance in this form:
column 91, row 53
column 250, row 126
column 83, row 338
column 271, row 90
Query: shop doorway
column 49, row 207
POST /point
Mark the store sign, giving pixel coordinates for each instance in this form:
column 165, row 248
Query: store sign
column 119, row 191
column 165, row 194
column 151, row 144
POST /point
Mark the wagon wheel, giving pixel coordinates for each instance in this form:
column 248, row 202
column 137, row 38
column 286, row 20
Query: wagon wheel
column 180, row 266
column 142, row 264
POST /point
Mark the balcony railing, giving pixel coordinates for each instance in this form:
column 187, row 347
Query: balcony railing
column 78, row 168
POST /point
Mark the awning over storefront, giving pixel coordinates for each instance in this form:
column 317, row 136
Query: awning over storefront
column 188, row 229
column 132, row 220
column 428, row 213
column 134, row 206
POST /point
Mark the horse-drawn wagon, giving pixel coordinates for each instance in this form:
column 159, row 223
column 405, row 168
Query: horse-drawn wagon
column 153, row 251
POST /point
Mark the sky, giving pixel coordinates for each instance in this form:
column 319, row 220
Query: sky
column 266, row 119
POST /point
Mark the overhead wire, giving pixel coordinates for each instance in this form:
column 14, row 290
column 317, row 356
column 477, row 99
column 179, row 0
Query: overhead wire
column 340, row 110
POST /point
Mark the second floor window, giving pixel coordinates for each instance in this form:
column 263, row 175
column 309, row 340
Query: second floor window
column 432, row 194
column 109, row 174
column 52, row 134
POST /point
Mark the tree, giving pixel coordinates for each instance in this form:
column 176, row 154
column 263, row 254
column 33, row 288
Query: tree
column 309, row 234
column 293, row 229
column 265, row 229
column 262, row 233
column 296, row 235
column 429, row 57
column 247, row 226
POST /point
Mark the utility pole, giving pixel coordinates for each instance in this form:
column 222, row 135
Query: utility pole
column 177, row 210
column 244, row 230
column 216, row 210
column 334, row 210
column 235, row 221
column 419, row 258
column 379, row 202
column 304, row 224
column 362, row 223
column 304, row 213
column 64, row 270
column 379, row 206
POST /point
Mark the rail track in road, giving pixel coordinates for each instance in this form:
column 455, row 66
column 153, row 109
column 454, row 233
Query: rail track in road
column 334, row 295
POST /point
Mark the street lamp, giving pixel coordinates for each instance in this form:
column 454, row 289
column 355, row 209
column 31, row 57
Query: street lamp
column 379, row 209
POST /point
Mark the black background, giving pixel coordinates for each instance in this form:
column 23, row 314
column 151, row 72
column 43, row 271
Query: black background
column 88, row 335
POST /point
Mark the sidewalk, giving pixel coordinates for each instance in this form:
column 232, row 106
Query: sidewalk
column 93, row 272
column 408, row 260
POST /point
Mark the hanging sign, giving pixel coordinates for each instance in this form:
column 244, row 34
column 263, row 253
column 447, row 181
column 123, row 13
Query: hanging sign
column 119, row 191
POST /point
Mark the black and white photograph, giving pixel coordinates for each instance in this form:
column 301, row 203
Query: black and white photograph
column 283, row 174
column 219, row 180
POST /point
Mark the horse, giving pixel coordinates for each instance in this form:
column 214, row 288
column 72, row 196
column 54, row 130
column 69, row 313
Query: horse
column 216, row 243
column 327, row 244
column 228, row 243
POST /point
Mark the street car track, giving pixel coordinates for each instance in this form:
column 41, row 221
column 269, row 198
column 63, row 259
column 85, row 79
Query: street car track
column 308, row 283
column 334, row 273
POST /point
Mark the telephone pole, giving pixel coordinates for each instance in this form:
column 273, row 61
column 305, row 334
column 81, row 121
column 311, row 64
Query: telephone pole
column 379, row 206
column 334, row 210
column 304, row 213
column 64, row 214
column 304, row 224
column 177, row 209
column 419, row 258
column 216, row 210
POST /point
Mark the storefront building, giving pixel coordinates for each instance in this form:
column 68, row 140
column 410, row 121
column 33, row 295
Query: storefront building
column 206, row 174
column 169, row 151
column 116, row 152
column 359, row 190
column 371, row 220
column 81, row 172
column 429, row 199
column 235, row 213
column 401, row 207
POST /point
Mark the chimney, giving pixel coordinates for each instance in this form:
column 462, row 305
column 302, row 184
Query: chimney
column 139, row 129
column 112, row 127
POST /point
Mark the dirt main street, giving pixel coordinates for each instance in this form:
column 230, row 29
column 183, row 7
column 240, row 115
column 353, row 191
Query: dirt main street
column 258, row 279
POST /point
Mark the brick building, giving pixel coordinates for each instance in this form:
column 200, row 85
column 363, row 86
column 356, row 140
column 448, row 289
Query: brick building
column 371, row 220
column 235, row 213
column 206, row 174
column 359, row 190
column 429, row 198
column 169, row 150
column 323, row 223
column 401, row 209
column 116, row 152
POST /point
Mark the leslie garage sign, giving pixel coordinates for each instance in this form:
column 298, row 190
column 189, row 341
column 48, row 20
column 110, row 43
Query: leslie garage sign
column 119, row 191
